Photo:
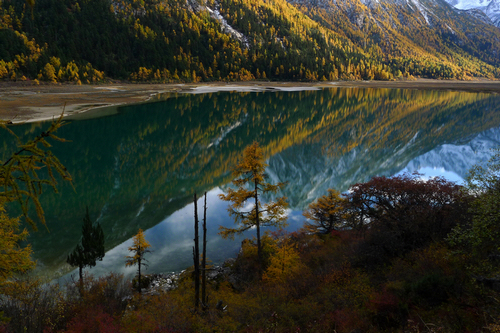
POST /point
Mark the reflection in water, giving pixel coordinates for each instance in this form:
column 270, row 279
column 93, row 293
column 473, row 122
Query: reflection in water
column 140, row 167
column 431, row 172
column 172, row 240
column 460, row 156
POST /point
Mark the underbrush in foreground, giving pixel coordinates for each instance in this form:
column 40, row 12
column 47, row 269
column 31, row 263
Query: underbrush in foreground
column 312, row 283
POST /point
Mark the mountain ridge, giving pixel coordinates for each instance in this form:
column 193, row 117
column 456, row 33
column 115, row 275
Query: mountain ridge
column 489, row 8
column 191, row 41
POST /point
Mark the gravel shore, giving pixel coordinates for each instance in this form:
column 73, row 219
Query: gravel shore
column 25, row 102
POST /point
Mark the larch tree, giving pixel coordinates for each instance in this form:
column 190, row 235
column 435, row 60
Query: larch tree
column 250, row 185
column 20, row 178
column 13, row 257
column 139, row 250
column 90, row 249
column 326, row 213
column 21, row 182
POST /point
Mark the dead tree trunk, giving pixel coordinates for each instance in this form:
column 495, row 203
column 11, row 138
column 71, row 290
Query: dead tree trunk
column 196, row 256
column 204, row 258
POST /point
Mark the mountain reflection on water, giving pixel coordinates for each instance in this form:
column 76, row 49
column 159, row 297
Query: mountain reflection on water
column 140, row 168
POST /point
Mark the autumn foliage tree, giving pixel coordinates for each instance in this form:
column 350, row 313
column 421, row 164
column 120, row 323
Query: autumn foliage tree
column 13, row 257
column 22, row 181
column 250, row 186
column 21, row 178
column 327, row 213
column 405, row 212
column 139, row 250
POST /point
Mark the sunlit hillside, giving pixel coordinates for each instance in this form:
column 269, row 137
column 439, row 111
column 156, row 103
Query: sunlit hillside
column 191, row 41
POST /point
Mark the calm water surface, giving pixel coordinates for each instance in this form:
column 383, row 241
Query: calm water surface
column 140, row 167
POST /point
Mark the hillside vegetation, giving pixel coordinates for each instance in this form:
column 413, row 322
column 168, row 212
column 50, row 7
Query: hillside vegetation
column 189, row 41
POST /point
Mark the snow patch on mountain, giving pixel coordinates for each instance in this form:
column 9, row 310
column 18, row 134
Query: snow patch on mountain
column 469, row 4
column 493, row 12
column 195, row 6
column 215, row 14
column 417, row 6
column 490, row 8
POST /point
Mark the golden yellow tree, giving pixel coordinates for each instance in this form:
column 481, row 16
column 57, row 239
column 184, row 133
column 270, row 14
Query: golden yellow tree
column 139, row 249
column 250, row 185
column 326, row 213
column 20, row 182
column 13, row 257
column 284, row 263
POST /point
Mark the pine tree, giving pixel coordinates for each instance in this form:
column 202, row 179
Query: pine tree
column 90, row 249
column 250, row 173
column 140, row 248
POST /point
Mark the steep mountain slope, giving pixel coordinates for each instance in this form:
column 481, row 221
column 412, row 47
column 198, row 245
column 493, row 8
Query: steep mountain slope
column 493, row 12
column 418, row 37
column 193, row 40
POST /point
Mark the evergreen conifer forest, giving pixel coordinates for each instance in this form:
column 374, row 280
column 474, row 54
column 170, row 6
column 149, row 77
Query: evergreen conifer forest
column 190, row 41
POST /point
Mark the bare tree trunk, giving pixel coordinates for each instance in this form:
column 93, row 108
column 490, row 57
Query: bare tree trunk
column 204, row 258
column 257, row 223
column 139, row 278
column 81, row 278
column 196, row 256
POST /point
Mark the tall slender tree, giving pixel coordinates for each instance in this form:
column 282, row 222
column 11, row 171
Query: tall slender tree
column 90, row 249
column 139, row 250
column 250, row 186
column 204, row 257
column 196, row 255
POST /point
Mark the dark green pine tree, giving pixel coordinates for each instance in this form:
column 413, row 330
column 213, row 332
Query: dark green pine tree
column 90, row 249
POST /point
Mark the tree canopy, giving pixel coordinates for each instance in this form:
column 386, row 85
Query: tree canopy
column 404, row 212
column 327, row 213
column 250, row 185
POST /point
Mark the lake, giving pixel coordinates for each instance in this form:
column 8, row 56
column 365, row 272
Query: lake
column 139, row 166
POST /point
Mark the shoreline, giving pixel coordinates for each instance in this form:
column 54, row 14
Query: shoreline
column 21, row 102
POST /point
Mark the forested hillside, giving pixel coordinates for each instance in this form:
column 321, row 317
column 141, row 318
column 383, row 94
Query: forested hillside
column 189, row 41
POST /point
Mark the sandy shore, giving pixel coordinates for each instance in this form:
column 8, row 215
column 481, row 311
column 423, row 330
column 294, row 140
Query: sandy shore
column 23, row 102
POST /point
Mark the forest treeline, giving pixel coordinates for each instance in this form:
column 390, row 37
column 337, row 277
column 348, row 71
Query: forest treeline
column 185, row 41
